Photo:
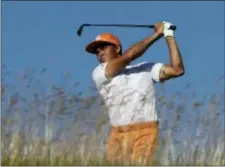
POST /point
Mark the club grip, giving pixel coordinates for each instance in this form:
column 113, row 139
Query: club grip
column 172, row 27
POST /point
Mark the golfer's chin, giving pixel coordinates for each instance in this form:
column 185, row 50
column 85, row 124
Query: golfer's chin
column 103, row 60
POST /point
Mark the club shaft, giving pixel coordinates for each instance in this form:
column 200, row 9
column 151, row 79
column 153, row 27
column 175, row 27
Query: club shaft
column 121, row 25
column 79, row 31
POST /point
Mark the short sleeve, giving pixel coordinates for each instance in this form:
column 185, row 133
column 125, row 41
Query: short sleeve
column 98, row 75
column 155, row 71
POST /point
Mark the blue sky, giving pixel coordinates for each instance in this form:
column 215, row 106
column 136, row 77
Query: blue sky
column 43, row 35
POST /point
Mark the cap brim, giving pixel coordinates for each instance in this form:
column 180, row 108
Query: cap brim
column 91, row 47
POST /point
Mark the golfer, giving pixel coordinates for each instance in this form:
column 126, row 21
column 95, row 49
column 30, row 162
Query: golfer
column 128, row 92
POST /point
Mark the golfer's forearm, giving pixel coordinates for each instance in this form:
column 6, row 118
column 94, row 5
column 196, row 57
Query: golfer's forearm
column 175, row 55
column 139, row 48
column 116, row 65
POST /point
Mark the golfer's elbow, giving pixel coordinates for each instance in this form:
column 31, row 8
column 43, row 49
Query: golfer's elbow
column 179, row 71
column 115, row 66
column 178, row 67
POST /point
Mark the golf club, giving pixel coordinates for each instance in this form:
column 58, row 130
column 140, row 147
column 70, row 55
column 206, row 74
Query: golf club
column 80, row 29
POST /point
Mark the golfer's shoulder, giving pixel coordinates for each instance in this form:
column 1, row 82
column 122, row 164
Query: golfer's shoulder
column 99, row 70
column 145, row 65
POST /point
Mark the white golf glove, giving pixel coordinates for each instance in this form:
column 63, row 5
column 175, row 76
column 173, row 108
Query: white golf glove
column 168, row 32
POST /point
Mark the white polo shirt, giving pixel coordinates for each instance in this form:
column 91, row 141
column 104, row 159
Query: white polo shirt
column 130, row 95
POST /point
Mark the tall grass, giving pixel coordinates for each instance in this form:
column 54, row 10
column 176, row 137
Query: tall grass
column 58, row 125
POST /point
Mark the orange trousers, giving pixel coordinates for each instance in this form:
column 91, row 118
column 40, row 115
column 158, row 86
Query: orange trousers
column 133, row 144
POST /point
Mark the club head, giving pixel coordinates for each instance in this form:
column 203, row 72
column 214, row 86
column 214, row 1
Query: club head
column 80, row 29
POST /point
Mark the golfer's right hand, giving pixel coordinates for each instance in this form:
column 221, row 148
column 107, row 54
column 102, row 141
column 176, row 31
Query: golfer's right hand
column 159, row 28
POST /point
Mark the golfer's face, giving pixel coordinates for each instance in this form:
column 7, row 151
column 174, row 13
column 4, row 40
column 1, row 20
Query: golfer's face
column 105, row 52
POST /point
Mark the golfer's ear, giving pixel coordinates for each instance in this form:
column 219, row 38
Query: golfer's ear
column 118, row 49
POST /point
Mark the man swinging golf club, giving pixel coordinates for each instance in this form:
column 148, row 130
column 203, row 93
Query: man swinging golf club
column 128, row 92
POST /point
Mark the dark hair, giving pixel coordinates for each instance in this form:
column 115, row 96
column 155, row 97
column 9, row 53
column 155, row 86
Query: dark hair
column 121, row 50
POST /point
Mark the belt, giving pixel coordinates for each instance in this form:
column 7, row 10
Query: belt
column 133, row 127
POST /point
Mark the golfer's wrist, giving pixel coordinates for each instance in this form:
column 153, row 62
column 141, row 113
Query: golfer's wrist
column 157, row 35
column 169, row 38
